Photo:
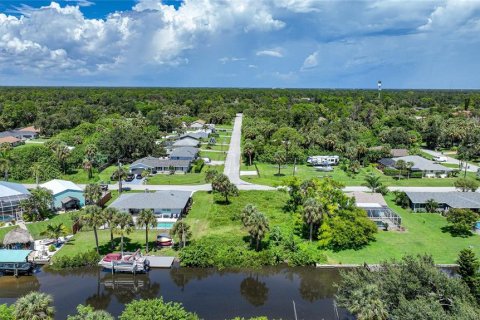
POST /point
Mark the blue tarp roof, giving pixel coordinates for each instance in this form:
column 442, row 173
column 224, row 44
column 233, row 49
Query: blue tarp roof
column 14, row 255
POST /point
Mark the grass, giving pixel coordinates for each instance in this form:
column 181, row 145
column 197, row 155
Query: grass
column 210, row 216
column 84, row 241
column 205, row 147
column 4, row 231
column 179, row 179
column 215, row 156
column 423, row 231
column 424, row 235
column 268, row 176
column 36, row 228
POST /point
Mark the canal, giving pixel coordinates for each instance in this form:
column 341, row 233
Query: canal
column 212, row 294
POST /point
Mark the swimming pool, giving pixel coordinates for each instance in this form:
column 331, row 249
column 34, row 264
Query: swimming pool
column 6, row 217
column 165, row 225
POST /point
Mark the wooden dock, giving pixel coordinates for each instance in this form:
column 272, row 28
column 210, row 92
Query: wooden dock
column 160, row 262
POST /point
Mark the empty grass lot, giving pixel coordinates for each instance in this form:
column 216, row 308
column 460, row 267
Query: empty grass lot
column 215, row 156
column 423, row 235
column 268, row 176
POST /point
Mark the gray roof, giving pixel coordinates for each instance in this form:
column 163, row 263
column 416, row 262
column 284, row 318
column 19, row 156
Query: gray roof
column 419, row 163
column 152, row 162
column 184, row 152
column 195, row 135
column 157, row 200
column 186, row 142
column 17, row 133
column 364, row 199
column 454, row 199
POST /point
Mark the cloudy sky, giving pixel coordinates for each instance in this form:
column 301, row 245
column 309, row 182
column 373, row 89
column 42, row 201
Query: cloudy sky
column 241, row 43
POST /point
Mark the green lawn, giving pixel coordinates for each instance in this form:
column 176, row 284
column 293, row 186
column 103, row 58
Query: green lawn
column 4, row 231
column 176, row 179
column 216, row 156
column 423, row 235
column 37, row 228
column 208, row 217
column 423, row 231
column 84, row 241
column 215, row 147
column 268, row 176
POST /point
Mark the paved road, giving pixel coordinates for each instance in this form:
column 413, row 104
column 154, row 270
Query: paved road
column 232, row 163
column 471, row 167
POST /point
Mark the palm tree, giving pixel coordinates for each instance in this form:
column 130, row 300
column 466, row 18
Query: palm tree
column 247, row 212
column 61, row 153
column 93, row 218
column 249, row 149
column 182, row 230
column 431, row 206
column 312, row 213
column 400, row 165
column 55, row 231
column 372, row 182
column 110, row 216
column 123, row 225
column 409, row 165
column 91, row 151
column 34, row 306
column 4, row 167
column 120, row 173
column 37, row 171
column 93, row 193
column 88, row 167
column 146, row 219
column 257, row 226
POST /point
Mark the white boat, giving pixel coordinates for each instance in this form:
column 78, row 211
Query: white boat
column 128, row 262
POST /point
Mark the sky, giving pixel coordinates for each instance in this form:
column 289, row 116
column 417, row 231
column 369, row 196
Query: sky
column 409, row 44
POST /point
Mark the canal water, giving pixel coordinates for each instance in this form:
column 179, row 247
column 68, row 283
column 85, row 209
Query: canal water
column 212, row 294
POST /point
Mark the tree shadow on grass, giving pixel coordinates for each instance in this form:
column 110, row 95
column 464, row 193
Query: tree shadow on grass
column 279, row 174
column 128, row 246
column 456, row 233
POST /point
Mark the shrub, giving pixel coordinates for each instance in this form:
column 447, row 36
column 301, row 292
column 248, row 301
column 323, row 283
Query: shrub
column 6, row 312
column 462, row 221
column 52, row 248
column 83, row 259
column 391, row 172
column 88, row 313
column 307, row 255
column 156, row 309
column 198, row 165
column 416, row 174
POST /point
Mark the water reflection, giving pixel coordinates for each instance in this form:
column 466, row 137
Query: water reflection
column 255, row 291
column 211, row 293
column 11, row 287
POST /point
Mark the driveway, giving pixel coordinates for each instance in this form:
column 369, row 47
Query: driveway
column 471, row 167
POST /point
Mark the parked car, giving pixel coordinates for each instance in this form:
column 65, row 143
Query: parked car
column 440, row 159
column 104, row 186
column 126, row 189
column 139, row 176
column 130, row 177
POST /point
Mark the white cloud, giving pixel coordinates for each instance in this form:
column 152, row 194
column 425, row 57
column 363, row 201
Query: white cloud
column 224, row 60
column 151, row 34
column 82, row 3
column 275, row 52
column 311, row 61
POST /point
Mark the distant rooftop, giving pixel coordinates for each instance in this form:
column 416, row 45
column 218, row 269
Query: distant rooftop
column 454, row 199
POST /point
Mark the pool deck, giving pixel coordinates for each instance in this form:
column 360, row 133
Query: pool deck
column 160, row 262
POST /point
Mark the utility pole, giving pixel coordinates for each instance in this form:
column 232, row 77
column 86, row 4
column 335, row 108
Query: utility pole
column 119, row 176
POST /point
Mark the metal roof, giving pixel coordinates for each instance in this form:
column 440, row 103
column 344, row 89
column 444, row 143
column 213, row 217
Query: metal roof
column 172, row 199
column 454, row 199
column 8, row 189
column 14, row 255
column 57, row 186
column 364, row 199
